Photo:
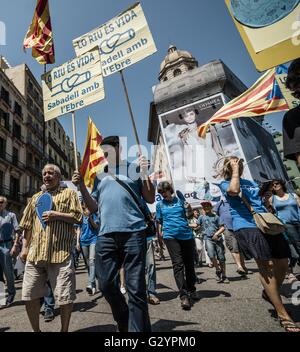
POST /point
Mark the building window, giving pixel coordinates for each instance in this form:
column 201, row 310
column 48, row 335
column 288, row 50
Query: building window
column 14, row 188
column 2, row 147
column 165, row 79
column 18, row 109
column 5, row 95
column 4, row 119
column 59, row 133
column 54, row 127
column 1, row 180
column 177, row 72
column 16, row 130
column 15, row 156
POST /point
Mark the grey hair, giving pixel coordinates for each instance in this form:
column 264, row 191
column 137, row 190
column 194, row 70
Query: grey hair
column 55, row 168
column 4, row 198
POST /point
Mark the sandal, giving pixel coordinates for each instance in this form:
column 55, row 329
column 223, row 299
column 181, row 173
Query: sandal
column 288, row 325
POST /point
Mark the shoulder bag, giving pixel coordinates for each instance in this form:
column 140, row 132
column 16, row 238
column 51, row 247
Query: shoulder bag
column 267, row 223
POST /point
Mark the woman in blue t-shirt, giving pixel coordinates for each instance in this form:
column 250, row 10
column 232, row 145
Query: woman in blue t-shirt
column 173, row 226
column 270, row 252
column 286, row 206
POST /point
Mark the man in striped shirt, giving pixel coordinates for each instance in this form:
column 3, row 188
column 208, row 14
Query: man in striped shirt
column 47, row 252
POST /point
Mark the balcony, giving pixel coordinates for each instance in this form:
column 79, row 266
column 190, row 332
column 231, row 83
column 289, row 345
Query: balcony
column 36, row 169
column 35, row 145
column 11, row 195
column 11, row 160
column 57, row 148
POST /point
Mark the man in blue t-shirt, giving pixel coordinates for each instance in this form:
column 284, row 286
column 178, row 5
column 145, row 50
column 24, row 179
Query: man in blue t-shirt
column 9, row 227
column 212, row 229
column 122, row 234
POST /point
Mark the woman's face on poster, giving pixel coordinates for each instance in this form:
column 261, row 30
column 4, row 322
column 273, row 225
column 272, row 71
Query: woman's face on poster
column 189, row 116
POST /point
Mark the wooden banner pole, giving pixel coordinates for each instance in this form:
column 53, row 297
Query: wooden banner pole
column 132, row 119
column 74, row 139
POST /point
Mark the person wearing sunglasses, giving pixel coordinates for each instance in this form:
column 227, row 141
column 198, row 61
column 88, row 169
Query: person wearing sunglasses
column 270, row 253
column 286, row 206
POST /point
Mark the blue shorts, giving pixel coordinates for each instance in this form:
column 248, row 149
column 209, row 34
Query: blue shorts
column 215, row 249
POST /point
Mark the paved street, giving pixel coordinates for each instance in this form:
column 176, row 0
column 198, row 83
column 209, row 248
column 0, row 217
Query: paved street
column 236, row 306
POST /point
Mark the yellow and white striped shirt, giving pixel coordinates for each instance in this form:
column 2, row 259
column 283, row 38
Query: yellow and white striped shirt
column 55, row 243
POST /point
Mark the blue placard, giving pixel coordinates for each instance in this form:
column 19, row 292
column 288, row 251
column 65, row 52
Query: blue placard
column 43, row 203
column 261, row 13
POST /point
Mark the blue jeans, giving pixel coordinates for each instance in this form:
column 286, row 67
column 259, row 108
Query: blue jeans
column 7, row 266
column 111, row 251
column 89, row 255
column 49, row 302
column 215, row 249
column 151, row 270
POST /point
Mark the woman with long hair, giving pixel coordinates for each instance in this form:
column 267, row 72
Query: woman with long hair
column 270, row 252
column 286, row 205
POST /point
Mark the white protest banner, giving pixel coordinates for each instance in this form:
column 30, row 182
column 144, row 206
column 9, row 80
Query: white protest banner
column 123, row 41
column 73, row 85
column 292, row 102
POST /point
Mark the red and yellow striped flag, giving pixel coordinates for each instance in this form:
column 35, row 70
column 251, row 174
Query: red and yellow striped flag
column 39, row 36
column 263, row 98
column 93, row 160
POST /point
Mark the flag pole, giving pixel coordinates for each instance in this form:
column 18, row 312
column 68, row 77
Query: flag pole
column 74, row 139
column 132, row 119
column 46, row 160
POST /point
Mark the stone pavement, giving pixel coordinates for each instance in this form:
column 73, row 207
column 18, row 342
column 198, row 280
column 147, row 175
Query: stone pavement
column 233, row 307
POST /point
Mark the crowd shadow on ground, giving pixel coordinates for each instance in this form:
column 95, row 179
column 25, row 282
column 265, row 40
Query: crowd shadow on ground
column 164, row 325
column 99, row 328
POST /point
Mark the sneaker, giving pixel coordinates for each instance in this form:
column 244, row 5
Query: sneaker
column 123, row 290
column 91, row 290
column 185, row 303
column 195, row 296
column 49, row 316
column 218, row 275
column 225, row 279
column 9, row 300
column 153, row 300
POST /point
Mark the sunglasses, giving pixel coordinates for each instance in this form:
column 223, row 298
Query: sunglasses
column 276, row 183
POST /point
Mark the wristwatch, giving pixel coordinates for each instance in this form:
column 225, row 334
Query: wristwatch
column 261, row 13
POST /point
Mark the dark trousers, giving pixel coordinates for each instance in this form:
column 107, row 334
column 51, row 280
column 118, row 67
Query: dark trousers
column 111, row 251
column 182, row 257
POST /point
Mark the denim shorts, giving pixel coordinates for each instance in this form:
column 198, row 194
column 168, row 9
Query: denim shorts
column 215, row 249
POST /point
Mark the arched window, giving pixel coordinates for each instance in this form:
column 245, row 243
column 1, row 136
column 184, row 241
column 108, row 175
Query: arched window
column 177, row 72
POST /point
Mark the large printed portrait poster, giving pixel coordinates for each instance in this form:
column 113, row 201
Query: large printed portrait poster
column 260, row 151
column 194, row 162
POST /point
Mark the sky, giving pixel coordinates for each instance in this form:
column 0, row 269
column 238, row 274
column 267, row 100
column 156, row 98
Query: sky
column 202, row 27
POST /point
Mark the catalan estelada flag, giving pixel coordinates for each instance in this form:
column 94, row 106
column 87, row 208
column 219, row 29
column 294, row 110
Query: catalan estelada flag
column 93, row 160
column 263, row 98
column 39, row 36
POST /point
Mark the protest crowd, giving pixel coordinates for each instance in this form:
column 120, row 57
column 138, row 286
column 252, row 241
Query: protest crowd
column 104, row 222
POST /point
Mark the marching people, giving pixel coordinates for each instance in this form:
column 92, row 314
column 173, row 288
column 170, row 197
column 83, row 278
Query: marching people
column 121, row 239
column 172, row 216
column 48, row 251
column 213, row 229
column 222, row 209
column 86, row 242
column 199, row 240
column 270, row 252
column 9, row 237
column 286, row 206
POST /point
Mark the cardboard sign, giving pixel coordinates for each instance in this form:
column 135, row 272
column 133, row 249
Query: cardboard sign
column 123, row 41
column 73, row 85
column 274, row 44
